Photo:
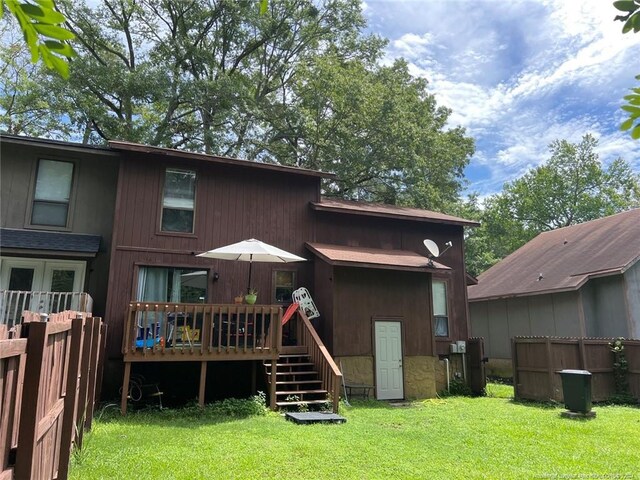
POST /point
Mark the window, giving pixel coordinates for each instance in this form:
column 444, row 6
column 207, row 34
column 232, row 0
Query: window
column 440, row 310
column 53, row 190
column 284, row 285
column 178, row 200
column 177, row 285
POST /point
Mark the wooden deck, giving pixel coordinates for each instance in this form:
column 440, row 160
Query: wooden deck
column 195, row 332
column 159, row 332
column 198, row 332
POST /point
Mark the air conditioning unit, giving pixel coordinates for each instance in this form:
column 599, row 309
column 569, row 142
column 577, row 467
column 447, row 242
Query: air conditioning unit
column 453, row 348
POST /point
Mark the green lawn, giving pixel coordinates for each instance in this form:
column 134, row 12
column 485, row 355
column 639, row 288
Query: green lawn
column 455, row 437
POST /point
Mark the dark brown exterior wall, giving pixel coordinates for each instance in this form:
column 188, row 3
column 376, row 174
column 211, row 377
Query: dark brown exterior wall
column 323, row 298
column 376, row 232
column 367, row 294
column 91, row 205
column 232, row 204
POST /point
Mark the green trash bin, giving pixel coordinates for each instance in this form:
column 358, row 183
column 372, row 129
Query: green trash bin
column 576, row 389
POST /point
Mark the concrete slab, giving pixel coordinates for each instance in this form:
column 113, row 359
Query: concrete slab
column 314, row 417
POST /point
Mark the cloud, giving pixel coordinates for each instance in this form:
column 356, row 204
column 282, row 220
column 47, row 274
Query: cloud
column 518, row 75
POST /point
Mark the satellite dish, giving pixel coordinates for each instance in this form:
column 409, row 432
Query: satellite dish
column 432, row 248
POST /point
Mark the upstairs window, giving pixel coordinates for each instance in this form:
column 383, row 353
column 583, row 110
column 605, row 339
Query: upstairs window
column 178, row 201
column 53, row 190
column 440, row 310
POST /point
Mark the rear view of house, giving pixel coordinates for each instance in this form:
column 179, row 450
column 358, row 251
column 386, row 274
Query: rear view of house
column 128, row 221
column 582, row 281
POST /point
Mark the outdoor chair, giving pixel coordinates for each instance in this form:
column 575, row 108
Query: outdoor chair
column 149, row 336
column 351, row 388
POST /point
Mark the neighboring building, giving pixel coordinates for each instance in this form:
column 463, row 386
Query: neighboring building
column 578, row 281
column 367, row 268
column 56, row 220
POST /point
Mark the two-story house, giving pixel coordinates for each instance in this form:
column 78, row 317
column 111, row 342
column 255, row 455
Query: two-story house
column 388, row 313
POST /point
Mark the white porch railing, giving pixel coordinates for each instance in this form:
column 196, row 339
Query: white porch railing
column 14, row 302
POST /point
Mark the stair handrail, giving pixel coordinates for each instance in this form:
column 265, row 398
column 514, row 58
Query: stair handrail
column 328, row 370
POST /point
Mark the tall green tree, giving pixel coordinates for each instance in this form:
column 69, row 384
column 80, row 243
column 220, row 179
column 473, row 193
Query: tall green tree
column 196, row 74
column 297, row 84
column 571, row 187
column 377, row 128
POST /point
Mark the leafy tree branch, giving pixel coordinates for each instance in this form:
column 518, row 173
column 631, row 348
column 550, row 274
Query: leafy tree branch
column 44, row 33
column 631, row 19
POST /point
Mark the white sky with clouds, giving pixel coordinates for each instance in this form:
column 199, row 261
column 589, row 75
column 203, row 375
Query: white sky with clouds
column 518, row 74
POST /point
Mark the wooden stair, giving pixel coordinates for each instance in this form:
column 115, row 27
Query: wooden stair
column 298, row 384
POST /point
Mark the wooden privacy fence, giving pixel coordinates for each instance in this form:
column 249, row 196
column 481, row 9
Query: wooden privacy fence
column 49, row 374
column 537, row 359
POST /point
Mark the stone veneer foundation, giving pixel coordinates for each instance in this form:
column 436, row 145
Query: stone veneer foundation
column 424, row 376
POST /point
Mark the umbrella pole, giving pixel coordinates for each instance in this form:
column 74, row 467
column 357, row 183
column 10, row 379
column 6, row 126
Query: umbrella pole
column 250, row 266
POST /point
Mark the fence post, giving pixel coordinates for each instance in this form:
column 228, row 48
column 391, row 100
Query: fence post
column 71, row 398
column 93, row 371
column 36, row 334
column 583, row 356
column 550, row 395
column 84, row 381
column 514, row 365
column 101, row 361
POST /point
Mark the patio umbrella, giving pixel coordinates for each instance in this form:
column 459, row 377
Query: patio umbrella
column 252, row 250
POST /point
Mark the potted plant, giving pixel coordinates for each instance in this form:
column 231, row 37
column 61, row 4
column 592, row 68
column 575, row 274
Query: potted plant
column 238, row 298
column 251, row 296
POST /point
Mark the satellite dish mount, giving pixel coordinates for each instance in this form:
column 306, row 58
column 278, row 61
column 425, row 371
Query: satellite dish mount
column 434, row 250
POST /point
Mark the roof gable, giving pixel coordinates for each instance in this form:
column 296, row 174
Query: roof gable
column 564, row 259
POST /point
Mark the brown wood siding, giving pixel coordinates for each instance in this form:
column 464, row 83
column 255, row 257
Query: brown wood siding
column 91, row 205
column 361, row 294
column 232, row 204
column 348, row 229
column 323, row 298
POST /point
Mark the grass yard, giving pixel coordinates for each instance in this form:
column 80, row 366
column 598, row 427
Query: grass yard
column 455, row 437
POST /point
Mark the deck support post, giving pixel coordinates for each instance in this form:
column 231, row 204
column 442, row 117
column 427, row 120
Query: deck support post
column 254, row 368
column 125, row 388
column 272, row 385
column 203, row 383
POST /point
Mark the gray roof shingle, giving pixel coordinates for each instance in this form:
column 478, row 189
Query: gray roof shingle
column 564, row 259
column 43, row 240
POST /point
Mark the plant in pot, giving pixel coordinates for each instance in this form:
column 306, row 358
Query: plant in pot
column 251, row 296
column 238, row 299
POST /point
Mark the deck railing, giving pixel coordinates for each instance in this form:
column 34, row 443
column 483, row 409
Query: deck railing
column 329, row 372
column 14, row 302
column 192, row 331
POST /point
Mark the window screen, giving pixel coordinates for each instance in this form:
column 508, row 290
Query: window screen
column 53, row 190
column 178, row 201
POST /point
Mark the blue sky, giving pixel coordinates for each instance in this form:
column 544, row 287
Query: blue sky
column 518, row 74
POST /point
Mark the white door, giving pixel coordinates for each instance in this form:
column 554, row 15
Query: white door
column 33, row 275
column 389, row 385
column 28, row 275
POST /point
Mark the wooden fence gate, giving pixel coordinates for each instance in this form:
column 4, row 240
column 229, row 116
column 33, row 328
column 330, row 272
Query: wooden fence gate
column 475, row 365
column 48, row 381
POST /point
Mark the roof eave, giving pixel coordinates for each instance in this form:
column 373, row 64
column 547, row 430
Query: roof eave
column 58, row 145
column 585, row 278
column 334, row 209
column 169, row 152
column 380, row 266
